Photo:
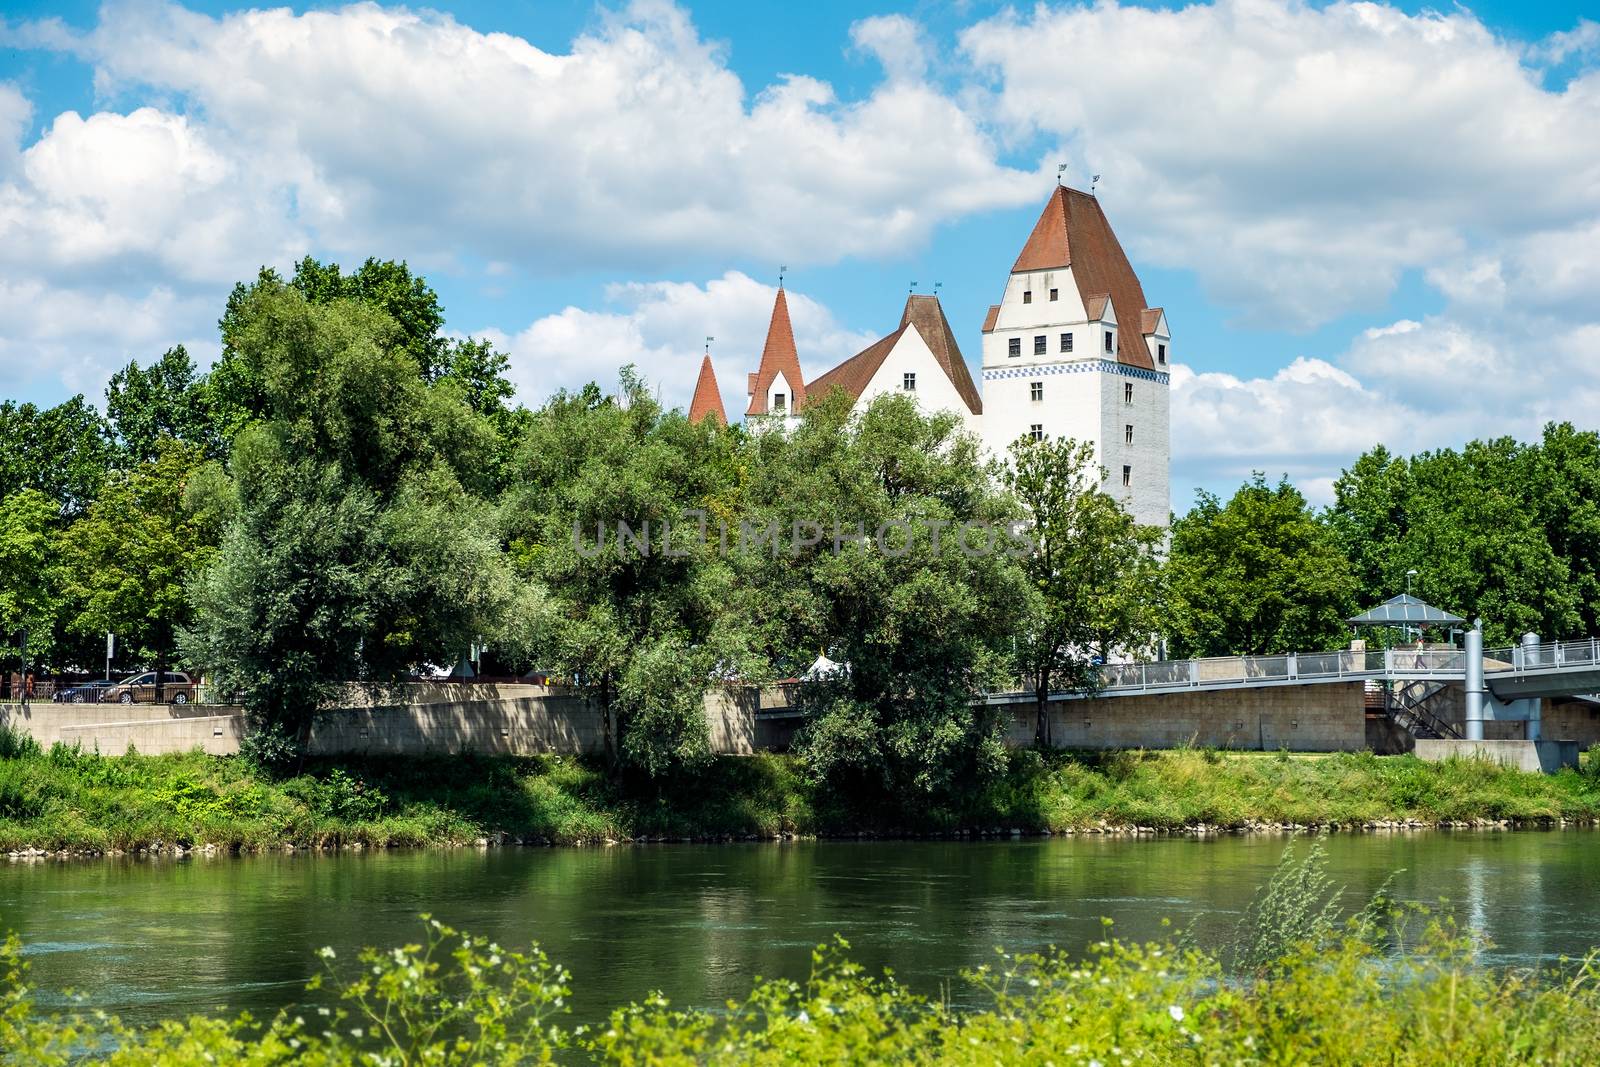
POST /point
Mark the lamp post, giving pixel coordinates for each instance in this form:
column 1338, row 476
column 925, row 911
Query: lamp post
column 1410, row 574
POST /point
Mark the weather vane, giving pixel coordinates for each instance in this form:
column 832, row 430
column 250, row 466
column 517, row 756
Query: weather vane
column 913, row 288
column 1061, row 168
column 1092, row 183
column 781, row 272
column 936, row 287
column 708, row 344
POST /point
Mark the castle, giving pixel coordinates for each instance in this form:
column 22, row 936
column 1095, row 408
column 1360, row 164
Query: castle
column 1071, row 350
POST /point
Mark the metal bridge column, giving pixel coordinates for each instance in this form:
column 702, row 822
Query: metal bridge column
column 1474, row 686
column 1530, row 645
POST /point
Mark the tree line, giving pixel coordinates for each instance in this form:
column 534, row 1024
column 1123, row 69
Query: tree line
column 348, row 495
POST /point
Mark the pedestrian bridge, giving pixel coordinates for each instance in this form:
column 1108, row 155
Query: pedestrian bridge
column 1549, row 669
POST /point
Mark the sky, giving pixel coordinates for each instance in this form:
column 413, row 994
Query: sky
column 1367, row 223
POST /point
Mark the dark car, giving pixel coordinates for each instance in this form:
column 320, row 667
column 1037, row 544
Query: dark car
column 84, row 692
column 176, row 688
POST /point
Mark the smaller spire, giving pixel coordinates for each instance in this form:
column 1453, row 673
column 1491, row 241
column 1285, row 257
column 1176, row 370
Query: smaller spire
column 707, row 402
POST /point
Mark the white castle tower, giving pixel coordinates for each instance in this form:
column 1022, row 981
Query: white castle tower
column 1072, row 350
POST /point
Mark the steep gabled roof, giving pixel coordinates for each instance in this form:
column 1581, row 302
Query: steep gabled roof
column 924, row 315
column 1150, row 320
column 777, row 356
column 990, row 319
column 1073, row 232
column 707, row 400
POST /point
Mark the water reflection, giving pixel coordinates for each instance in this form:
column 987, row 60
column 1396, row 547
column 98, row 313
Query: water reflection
column 148, row 939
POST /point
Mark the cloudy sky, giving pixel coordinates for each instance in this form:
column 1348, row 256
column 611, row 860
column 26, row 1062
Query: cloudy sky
column 1366, row 222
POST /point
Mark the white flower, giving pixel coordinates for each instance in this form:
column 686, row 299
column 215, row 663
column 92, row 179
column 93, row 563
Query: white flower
column 802, row 1017
column 1176, row 1012
column 326, row 952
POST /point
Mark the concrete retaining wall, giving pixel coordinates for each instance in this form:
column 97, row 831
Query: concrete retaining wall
column 527, row 719
column 1311, row 718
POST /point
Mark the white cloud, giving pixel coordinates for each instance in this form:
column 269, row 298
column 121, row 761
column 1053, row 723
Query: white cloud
column 638, row 148
column 656, row 325
column 1299, row 158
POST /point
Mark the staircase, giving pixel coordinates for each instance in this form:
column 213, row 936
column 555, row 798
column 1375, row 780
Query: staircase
column 1406, row 704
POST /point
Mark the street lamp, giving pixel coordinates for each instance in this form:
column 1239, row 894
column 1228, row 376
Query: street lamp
column 1410, row 574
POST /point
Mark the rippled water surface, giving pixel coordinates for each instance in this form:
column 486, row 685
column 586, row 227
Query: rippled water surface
column 157, row 938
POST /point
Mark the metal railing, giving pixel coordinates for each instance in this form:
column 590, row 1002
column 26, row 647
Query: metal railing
column 1399, row 664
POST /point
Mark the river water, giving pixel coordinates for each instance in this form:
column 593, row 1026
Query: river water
column 154, row 938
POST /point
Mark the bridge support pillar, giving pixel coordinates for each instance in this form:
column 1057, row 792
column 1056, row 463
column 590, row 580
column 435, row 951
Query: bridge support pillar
column 1530, row 643
column 1474, row 681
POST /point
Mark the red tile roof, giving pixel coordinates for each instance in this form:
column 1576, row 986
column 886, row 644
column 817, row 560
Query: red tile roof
column 777, row 356
column 925, row 315
column 1073, row 232
column 707, row 397
column 1150, row 320
column 989, row 319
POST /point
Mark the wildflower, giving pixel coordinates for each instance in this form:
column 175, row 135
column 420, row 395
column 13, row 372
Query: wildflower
column 1176, row 1012
column 326, row 952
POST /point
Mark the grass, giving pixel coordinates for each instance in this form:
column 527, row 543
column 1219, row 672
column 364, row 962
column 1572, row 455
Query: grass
column 65, row 799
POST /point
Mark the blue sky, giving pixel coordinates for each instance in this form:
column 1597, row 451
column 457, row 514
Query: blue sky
column 1366, row 222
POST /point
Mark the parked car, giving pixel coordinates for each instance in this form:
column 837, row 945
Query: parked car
column 84, row 692
column 176, row 688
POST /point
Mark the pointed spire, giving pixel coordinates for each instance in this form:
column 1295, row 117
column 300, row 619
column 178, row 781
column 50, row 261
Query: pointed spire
column 707, row 400
column 778, row 356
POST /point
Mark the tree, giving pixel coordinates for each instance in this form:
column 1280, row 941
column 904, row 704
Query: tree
column 1093, row 571
column 359, row 551
column 1481, row 528
column 29, row 573
column 234, row 389
column 643, row 627
column 129, row 558
column 62, row 451
column 1259, row 575
column 165, row 400
column 920, row 619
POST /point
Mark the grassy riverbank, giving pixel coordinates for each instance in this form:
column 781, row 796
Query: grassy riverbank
column 68, row 800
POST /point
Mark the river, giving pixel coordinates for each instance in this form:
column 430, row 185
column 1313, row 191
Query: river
column 154, row 938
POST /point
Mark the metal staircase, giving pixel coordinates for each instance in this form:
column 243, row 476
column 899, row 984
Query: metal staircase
column 1406, row 704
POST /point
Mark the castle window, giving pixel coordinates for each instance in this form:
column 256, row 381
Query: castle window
column 777, row 402
column 1055, row 294
column 1036, row 431
column 1027, row 297
column 910, row 382
column 1038, row 344
column 1036, row 391
column 1109, row 342
column 1127, row 434
column 1161, row 353
column 1127, row 475
column 1066, row 342
column 1015, row 346
column 1127, row 392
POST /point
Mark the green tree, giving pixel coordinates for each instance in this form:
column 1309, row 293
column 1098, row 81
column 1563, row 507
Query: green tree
column 359, row 551
column 62, row 451
column 921, row 622
column 1258, row 575
column 643, row 627
column 234, row 389
column 128, row 560
column 1481, row 528
column 30, row 574
column 1093, row 570
column 167, row 399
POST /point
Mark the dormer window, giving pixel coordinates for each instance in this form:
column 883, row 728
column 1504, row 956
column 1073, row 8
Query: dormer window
column 1027, row 296
column 1161, row 353
column 1014, row 347
column 910, row 382
column 1110, row 344
column 778, row 402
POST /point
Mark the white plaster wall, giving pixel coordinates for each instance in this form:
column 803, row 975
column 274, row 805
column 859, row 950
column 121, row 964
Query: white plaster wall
column 1146, row 499
column 935, row 391
column 1070, row 408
